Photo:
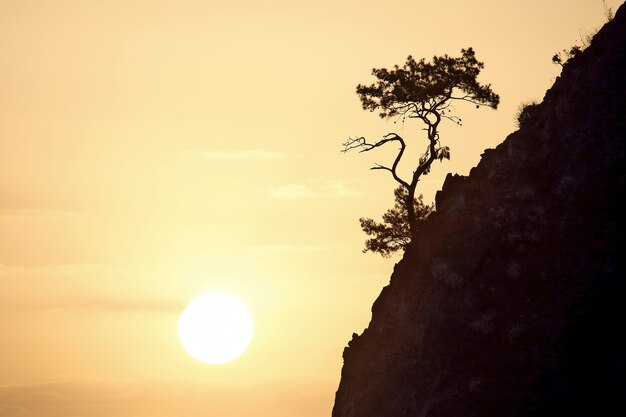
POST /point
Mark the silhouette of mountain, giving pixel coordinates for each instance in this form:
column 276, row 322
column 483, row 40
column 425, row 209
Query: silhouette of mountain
column 511, row 302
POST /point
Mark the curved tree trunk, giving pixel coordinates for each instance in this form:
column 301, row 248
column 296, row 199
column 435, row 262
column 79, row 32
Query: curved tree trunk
column 421, row 169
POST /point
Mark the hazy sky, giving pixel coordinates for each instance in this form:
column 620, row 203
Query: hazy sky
column 153, row 150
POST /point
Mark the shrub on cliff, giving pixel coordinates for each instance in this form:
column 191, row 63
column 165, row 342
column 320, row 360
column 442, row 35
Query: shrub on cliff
column 525, row 113
column 393, row 233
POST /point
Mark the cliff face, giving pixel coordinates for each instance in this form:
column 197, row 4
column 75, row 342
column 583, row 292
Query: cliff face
column 512, row 301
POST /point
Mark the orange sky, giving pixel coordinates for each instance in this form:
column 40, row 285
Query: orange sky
column 153, row 150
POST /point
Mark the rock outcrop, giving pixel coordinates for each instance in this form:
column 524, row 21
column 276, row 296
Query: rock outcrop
column 512, row 301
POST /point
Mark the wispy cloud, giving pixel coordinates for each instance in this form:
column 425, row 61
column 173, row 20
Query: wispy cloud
column 115, row 306
column 232, row 155
column 5, row 269
column 292, row 192
column 166, row 398
column 37, row 214
column 284, row 248
column 73, row 269
column 74, row 286
column 312, row 189
column 336, row 188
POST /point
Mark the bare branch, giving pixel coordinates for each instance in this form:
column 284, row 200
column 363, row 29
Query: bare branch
column 454, row 119
column 353, row 143
column 468, row 99
column 378, row 166
column 364, row 146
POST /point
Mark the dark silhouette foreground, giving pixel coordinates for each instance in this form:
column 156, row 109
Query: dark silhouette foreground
column 510, row 301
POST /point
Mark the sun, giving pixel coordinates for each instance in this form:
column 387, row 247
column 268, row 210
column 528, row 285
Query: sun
column 215, row 327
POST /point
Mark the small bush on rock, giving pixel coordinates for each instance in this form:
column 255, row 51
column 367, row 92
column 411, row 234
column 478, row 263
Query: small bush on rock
column 525, row 113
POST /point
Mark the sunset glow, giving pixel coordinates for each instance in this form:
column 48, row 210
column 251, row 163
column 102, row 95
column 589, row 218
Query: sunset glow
column 215, row 328
column 151, row 151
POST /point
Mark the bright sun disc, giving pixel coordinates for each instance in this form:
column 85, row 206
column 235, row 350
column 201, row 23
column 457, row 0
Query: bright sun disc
column 215, row 327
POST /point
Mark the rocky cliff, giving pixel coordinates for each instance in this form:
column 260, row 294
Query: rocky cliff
column 513, row 300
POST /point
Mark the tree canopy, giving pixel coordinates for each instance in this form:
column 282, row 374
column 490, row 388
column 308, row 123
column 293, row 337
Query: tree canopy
column 426, row 91
column 422, row 89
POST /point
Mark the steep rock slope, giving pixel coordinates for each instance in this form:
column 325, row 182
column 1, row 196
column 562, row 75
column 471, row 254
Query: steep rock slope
column 512, row 301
